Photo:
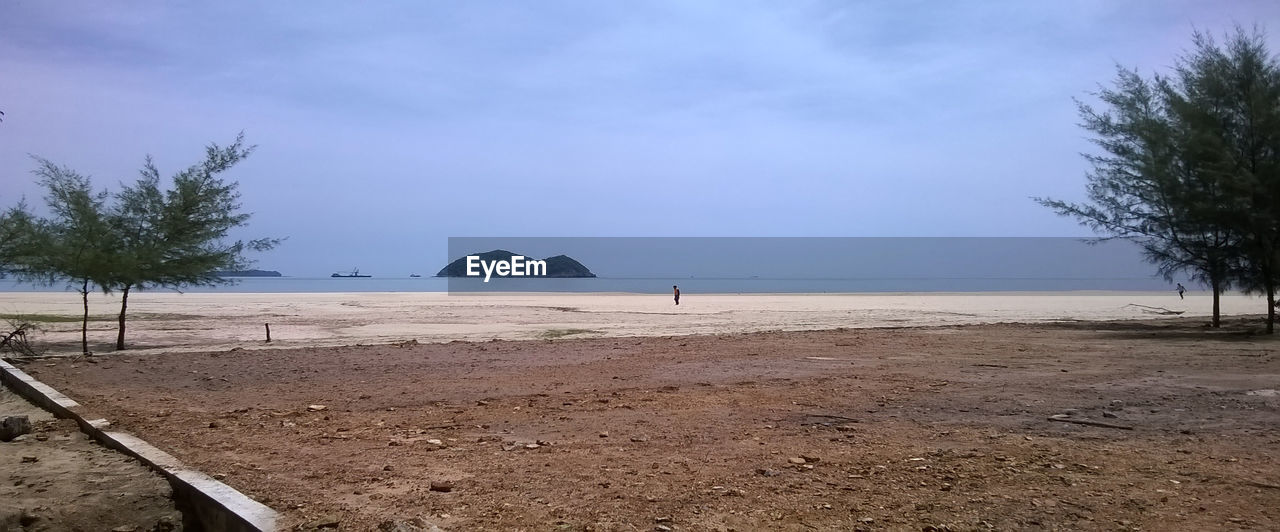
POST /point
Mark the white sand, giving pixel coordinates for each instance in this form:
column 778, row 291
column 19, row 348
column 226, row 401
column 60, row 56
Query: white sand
column 171, row 321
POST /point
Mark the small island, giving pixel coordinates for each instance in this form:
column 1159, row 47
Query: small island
column 248, row 273
column 559, row 266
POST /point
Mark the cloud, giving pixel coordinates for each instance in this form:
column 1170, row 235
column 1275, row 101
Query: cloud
column 642, row 118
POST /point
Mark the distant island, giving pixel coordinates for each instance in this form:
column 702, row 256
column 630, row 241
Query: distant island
column 559, row 266
column 248, row 273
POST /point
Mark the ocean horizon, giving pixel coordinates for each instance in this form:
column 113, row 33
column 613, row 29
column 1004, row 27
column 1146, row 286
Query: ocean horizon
column 758, row 265
column 655, row 285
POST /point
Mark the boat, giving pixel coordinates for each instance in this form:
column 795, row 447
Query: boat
column 414, row 275
column 352, row 273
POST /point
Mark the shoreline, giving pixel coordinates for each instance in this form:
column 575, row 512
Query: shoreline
column 136, row 292
column 167, row 321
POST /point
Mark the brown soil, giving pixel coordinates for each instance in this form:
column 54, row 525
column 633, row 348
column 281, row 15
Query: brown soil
column 56, row 479
column 844, row 429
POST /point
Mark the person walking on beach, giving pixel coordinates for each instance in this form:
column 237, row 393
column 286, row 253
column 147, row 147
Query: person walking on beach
column 1181, row 289
column 677, row 290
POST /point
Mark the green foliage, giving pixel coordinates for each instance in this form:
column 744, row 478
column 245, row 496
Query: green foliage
column 20, row 241
column 78, row 238
column 551, row 334
column 176, row 238
column 49, row 318
column 1243, row 124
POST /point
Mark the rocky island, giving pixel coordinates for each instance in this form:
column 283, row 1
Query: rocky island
column 248, row 273
column 559, row 266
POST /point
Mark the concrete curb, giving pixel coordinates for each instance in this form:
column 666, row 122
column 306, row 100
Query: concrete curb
column 216, row 506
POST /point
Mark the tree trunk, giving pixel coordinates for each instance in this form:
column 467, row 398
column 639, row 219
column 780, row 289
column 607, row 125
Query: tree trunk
column 124, row 304
column 1217, row 291
column 1271, row 308
column 84, row 325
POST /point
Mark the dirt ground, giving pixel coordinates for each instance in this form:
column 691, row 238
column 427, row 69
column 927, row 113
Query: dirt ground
column 948, row 427
column 56, row 479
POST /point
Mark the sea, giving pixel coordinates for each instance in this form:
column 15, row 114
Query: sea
column 765, row 265
column 653, row 285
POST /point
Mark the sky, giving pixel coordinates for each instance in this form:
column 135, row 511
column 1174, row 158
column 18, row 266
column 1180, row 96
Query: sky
column 384, row 128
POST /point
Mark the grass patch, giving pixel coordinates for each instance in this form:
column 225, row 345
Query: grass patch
column 160, row 316
column 75, row 318
column 52, row 318
column 552, row 334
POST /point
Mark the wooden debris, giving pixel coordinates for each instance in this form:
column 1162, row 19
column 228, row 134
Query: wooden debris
column 1062, row 418
column 16, row 340
column 1156, row 310
column 1257, row 484
column 834, row 418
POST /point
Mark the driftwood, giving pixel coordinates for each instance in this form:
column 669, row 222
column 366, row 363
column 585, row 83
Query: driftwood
column 16, row 340
column 441, row 427
column 1156, row 310
column 1090, row 423
column 16, row 332
column 835, row 418
column 1257, row 484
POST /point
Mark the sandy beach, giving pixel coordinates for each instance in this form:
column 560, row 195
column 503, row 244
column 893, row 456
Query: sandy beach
column 167, row 321
column 731, row 412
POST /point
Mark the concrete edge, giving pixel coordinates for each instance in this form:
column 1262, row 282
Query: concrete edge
column 217, row 506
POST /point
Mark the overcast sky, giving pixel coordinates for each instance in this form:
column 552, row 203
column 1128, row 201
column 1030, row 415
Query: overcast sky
column 384, row 128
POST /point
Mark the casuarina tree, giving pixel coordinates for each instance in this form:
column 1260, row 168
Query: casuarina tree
column 143, row 236
column 178, row 237
column 76, row 243
column 1186, row 166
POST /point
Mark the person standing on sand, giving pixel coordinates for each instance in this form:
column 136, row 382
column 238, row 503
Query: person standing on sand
column 677, row 289
column 1181, row 289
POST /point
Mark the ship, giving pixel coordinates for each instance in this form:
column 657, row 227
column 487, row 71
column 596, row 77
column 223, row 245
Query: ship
column 353, row 273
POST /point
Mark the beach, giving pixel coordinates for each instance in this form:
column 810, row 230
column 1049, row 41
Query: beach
column 619, row 266
column 167, row 321
column 371, row 411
